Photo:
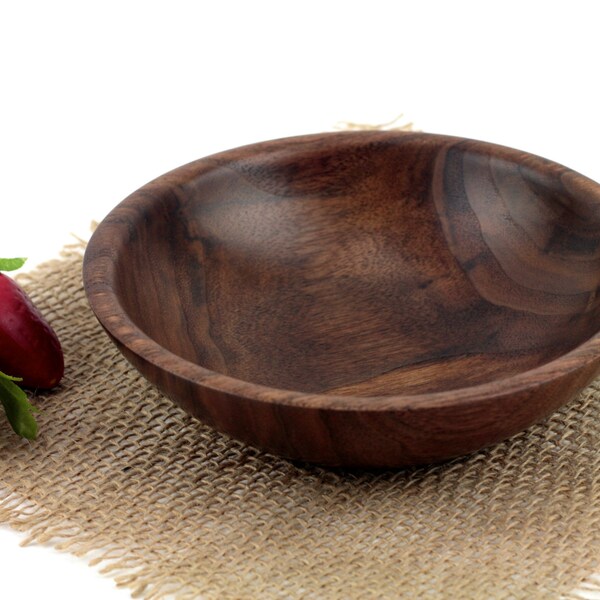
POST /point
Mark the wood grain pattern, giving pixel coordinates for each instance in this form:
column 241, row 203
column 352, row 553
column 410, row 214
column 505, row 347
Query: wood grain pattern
column 365, row 298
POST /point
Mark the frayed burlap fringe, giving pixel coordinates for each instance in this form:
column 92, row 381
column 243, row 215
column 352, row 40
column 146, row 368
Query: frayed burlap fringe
column 169, row 508
column 587, row 590
column 399, row 123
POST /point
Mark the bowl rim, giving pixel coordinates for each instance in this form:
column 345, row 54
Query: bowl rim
column 99, row 276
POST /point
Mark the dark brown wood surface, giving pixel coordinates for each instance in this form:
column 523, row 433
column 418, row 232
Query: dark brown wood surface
column 366, row 298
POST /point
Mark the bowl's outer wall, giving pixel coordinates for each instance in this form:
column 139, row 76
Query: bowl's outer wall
column 353, row 431
column 363, row 438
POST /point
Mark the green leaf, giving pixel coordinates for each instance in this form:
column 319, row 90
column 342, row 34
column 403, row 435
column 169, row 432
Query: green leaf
column 11, row 264
column 17, row 407
column 9, row 378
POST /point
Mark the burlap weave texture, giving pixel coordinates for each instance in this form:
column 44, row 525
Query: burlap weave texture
column 171, row 508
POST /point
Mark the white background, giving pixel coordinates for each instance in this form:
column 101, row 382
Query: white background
column 96, row 98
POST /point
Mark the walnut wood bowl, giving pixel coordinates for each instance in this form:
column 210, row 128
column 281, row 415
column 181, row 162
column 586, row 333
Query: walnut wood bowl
column 358, row 299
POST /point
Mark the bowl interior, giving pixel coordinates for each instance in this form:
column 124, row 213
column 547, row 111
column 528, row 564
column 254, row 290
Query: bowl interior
column 402, row 265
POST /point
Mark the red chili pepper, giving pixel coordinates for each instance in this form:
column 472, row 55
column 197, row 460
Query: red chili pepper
column 29, row 348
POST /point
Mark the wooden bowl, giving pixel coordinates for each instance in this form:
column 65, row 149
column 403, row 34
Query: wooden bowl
column 358, row 299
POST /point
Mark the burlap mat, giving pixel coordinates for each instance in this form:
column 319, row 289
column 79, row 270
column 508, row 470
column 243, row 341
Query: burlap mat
column 170, row 507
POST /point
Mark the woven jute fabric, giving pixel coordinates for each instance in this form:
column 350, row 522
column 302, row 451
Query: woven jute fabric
column 171, row 508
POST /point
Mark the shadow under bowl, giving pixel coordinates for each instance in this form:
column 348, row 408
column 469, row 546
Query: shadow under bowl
column 358, row 299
